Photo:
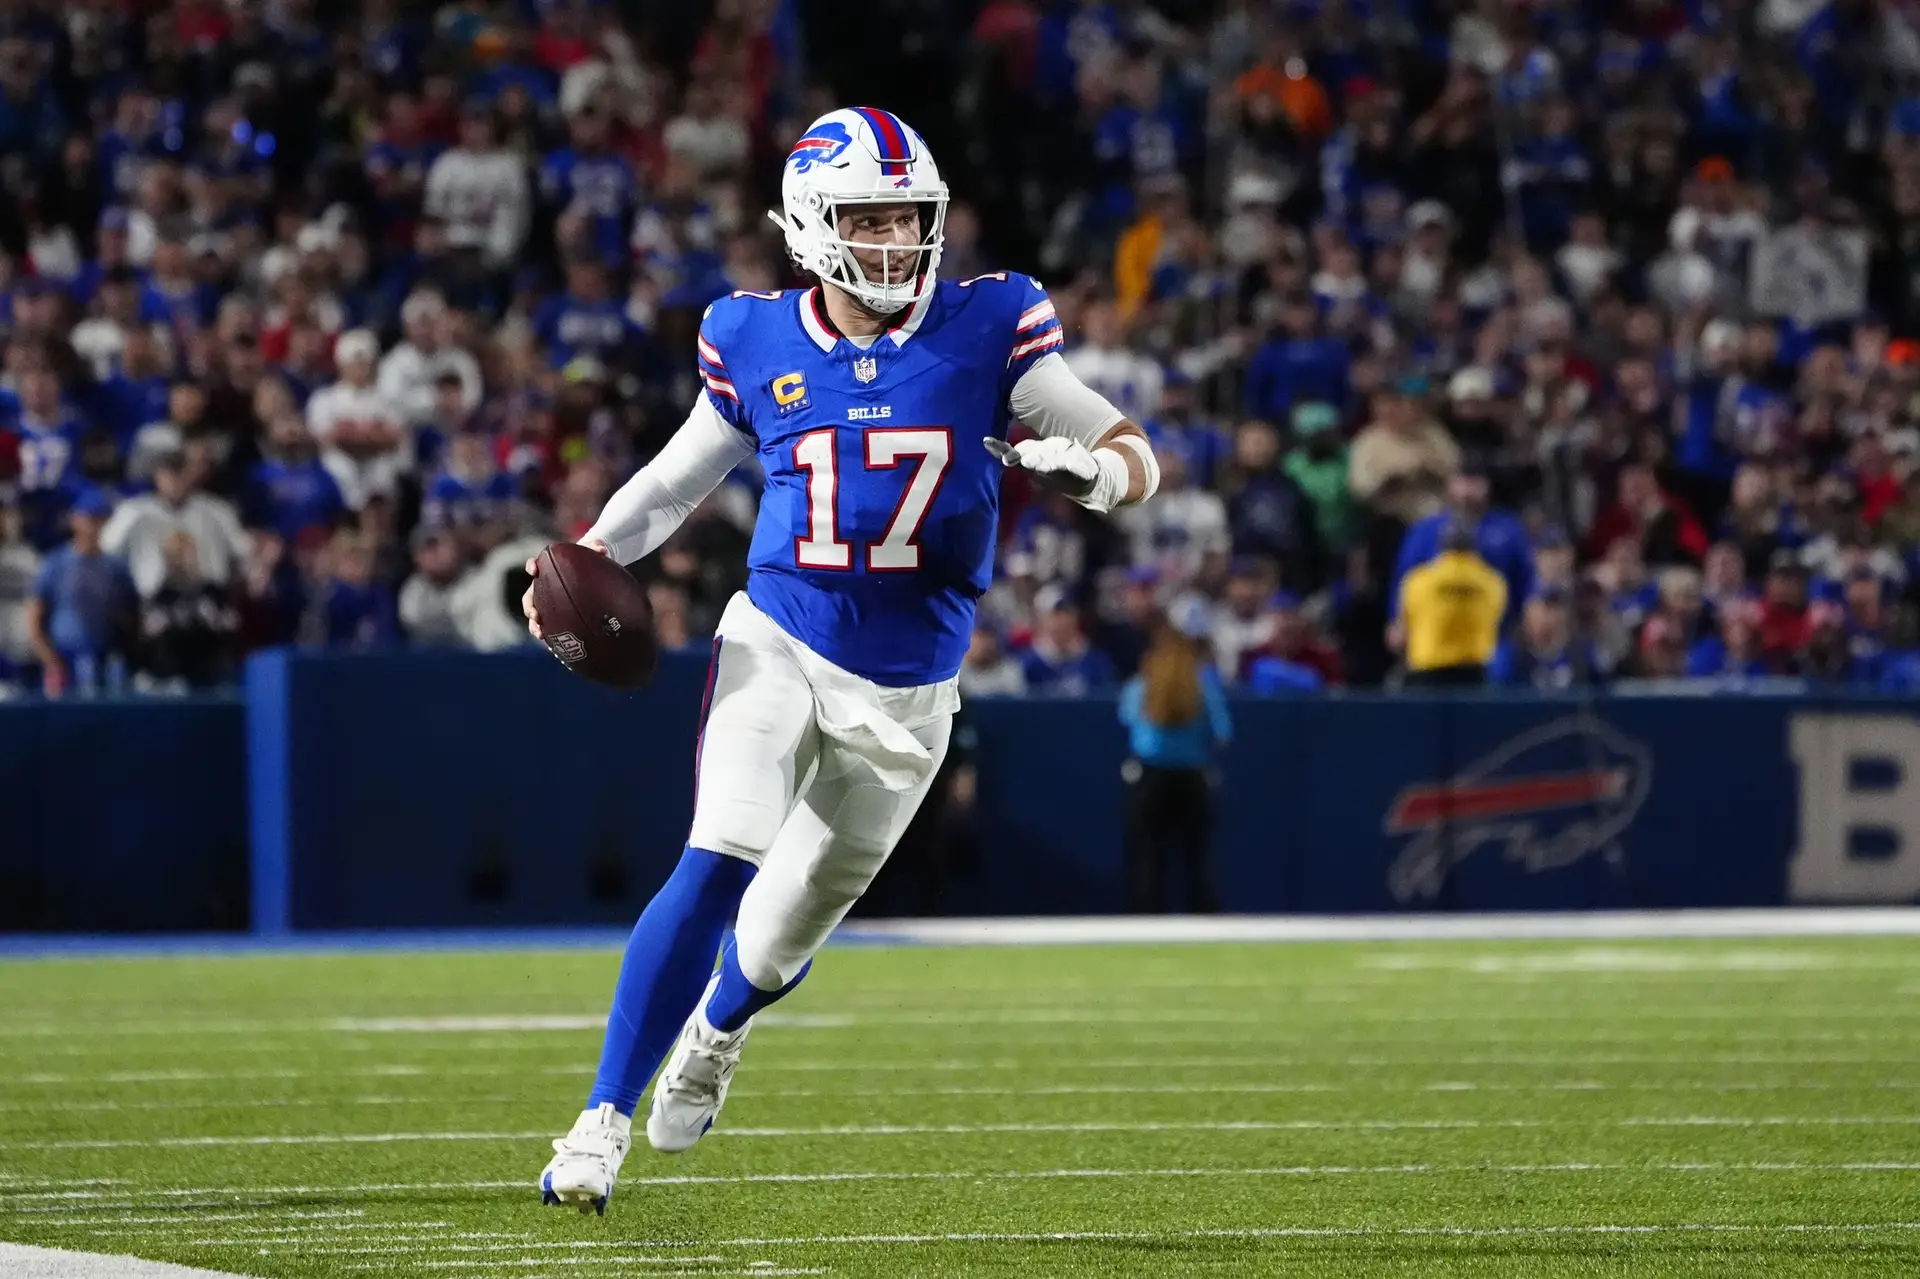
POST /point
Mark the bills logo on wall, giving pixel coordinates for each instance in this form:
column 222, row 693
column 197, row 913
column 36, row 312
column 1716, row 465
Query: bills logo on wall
column 1545, row 800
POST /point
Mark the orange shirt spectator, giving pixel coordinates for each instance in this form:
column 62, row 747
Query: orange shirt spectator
column 1300, row 96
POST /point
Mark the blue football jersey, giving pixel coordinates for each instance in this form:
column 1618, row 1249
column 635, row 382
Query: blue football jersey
column 878, row 520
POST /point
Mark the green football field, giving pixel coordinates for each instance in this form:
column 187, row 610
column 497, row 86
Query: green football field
column 1729, row 1108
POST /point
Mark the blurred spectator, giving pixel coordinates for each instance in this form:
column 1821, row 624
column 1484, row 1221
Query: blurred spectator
column 19, row 566
column 471, row 496
column 1296, row 365
column 668, row 600
column 1498, row 536
column 185, row 417
column 1124, row 638
column 1661, row 652
column 586, row 319
column 1050, row 532
column 1665, row 529
column 1757, row 522
column 1060, row 660
column 1177, row 722
column 48, row 442
column 1785, row 624
column 189, row 627
column 274, row 591
column 363, row 436
column 410, row 374
column 592, row 181
column 1544, row 654
column 1400, row 467
column 479, row 191
column 426, row 599
column 82, row 618
column 1734, row 653
column 1208, row 447
column 1294, row 656
column 1318, row 464
column 141, row 530
column 1270, row 515
column 1553, row 558
column 351, row 609
column 1360, row 623
column 289, row 490
column 989, row 670
column 1131, row 380
column 1242, row 621
column 1182, row 533
column 1449, row 614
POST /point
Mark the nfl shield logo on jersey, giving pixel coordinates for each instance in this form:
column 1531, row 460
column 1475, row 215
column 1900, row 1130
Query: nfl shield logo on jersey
column 865, row 369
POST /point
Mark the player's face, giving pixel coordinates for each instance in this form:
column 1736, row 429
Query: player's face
column 892, row 231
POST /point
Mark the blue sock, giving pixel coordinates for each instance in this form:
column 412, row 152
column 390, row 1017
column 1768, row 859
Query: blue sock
column 669, row 962
column 735, row 999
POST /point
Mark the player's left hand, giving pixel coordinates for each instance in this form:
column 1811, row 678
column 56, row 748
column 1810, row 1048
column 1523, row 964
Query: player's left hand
column 1063, row 465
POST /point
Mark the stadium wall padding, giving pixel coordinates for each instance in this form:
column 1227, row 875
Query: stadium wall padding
column 457, row 790
column 123, row 816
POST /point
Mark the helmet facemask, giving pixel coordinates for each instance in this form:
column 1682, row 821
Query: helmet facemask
column 896, row 269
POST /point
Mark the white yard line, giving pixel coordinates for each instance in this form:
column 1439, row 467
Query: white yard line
column 1516, row 926
column 1308, row 1232
column 751, row 1272
column 1068, row 1018
column 1063, row 1090
column 18, row 1261
column 871, row 1130
column 899, row 1130
column 176, row 1218
column 150, row 1198
column 1249, row 1234
column 951, row 1065
column 290, row 1234
column 1284, row 1055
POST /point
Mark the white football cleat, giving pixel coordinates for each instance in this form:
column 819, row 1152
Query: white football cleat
column 693, row 1085
column 587, row 1160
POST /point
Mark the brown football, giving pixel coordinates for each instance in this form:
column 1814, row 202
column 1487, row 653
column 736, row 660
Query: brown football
column 595, row 617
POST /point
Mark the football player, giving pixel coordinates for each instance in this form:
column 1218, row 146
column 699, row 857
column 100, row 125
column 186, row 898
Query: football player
column 878, row 403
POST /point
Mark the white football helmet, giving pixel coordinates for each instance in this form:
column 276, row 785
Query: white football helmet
column 862, row 155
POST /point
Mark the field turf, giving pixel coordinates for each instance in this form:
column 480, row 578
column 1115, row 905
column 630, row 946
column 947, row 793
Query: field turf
column 1674, row 1108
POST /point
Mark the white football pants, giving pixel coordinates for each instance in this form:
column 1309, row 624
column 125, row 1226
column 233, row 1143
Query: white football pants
column 812, row 774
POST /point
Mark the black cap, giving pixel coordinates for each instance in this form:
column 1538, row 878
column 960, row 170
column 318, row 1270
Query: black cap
column 1785, row 560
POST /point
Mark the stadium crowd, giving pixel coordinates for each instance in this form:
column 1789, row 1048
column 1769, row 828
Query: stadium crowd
column 319, row 318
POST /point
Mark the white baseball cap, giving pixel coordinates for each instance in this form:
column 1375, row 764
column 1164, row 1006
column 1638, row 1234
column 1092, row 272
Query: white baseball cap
column 1470, row 383
column 356, row 344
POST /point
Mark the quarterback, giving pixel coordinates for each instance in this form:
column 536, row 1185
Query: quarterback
column 878, row 403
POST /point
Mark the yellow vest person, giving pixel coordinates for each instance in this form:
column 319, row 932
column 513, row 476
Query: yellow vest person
column 1450, row 611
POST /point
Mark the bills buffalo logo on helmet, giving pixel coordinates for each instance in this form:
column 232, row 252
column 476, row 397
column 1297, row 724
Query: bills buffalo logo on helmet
column 1548, row 798
column 822, row 146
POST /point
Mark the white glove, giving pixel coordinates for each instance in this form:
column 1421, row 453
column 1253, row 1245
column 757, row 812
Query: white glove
column 1095, row 478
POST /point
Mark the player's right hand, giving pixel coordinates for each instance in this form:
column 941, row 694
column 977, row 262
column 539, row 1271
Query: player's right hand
column 533, row 570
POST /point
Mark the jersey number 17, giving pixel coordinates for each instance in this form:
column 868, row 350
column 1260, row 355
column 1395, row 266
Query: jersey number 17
column 898, row 550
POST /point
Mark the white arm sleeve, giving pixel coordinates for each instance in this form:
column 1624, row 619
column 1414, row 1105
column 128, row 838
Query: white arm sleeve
column 651, row 505
column 1053, row 402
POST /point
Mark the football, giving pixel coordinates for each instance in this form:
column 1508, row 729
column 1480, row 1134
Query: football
column 595, row 617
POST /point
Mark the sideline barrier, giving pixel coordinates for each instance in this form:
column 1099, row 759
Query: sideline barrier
column 456, row 790
column 123, row 815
